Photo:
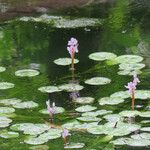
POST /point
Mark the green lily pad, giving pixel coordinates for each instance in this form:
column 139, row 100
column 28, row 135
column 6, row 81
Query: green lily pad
column 129, row 113
column 129, row 72
column 100, row 56
column 86, row 125
column 3, row 125
column 6, row 110
column 141, row 136
column 71, row 125
column 145, row 129
column 11, row 101
column 65, row 61
column 84, row 100
column 120, row 141
column 96, row 113
column 2, row 69
column 142, row 94
column 58, row 110
column 133, row 66
column 4, row 122
column 35, row 140
column 98, row 81
column 74, row 146
column 138, row 143
column 145, row 114
column 112, row 117
column 89, row 119
column 39, row 147
column 121, row 94
column 27, row 73
column 27, row 104
column 6, row 85
column 86, row 108
column 7, row 134
column 71, row 87
column 110, row 101
column 49, row 89
column 99, row 129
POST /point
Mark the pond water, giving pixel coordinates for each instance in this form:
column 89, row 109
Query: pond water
column 34, row 43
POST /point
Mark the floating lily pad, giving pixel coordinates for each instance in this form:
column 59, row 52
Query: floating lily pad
column 96, row 113
column 3, row 125
column 145, row 114
column 84, row 126
column 138, row 143
column 27, row 104
column 100, row 56
column 84, row 100
column 71, row 125
column 35, row 140
column 58, row 110
column 39, row 147
column 145, row 129
column 98, row 81
column 121, row 94
column 99, row 129
column 129, row 72
column 74, row 145
column 6, row 110
column 4, row 121
column 11, row 101
column 6, row 85
column 27, row 73
column 89, row 119
column 65, row 61
column 141, row 136
column 133, row 66
column 120, row 141
column 30, row 128
column 129, row 113
column 110, row 101
column 86, row 108
column 142, row 94
column 7, row 134
column 71, row 87
column 49, row 89
column 2, row 69
column 112, row 117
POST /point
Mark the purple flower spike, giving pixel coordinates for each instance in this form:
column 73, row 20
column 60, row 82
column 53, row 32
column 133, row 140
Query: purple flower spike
column 72, row 46
column 65, row 133
column 131, row 87
column 51, row 109
column 135, row 79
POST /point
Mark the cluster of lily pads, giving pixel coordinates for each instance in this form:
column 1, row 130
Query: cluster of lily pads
column 90, row 118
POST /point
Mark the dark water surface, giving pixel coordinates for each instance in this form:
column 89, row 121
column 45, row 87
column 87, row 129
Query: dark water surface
column 36, row 45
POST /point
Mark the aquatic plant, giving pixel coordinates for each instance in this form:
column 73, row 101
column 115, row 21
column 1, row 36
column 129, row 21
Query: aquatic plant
column 51, row 109
column 65, row 134
column 72, row 49
column 132, row 87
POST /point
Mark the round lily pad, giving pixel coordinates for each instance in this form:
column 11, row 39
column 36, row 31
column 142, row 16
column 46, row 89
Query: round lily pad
column 120, row 141
column 99, row 129
column 6, row 110
column 133, row 66
column 58, row 110
column 145, row 114
column 142, row 94
column 120, row 94
column 74, row 146
column 6, row 85
column 141, row 136
column 71, row 125
column 89, row 119
column 100, row 56
column 71, row 87
column 3, row 125
column 35, row 140
column 129, row 72
column 4, row 121
column 123, row 59
column 129, row 113
column 65, row 61
column 27, row 73
column 98, row 81
column 86, row 108
column 96, row 113
column 49, row 89
column 8, row 135
column 145, row 129
column 10, row 101
column 110, row 101
column 138, row 143
column 2, row 69
column 39, row 147
column 27, row 104
column 84, row 100
column 112, row 117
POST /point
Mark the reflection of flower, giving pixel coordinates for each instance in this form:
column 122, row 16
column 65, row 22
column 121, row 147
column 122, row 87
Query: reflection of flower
column 72, row 46
column 51, row 109
column 74, row 95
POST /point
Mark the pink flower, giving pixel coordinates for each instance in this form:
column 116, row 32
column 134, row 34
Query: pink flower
column 65, row 133
column 131, row 87
column 135, row 79
column 72, row 46
column 51, row 109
